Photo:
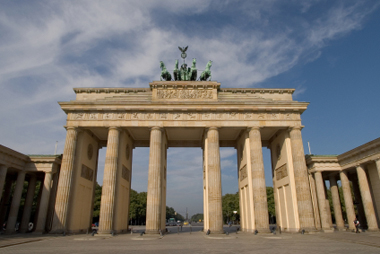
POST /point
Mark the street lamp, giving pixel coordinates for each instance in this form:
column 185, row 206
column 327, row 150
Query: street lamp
column 235, row 212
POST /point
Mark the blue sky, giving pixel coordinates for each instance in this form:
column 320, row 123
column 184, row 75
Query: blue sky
column 327, row 50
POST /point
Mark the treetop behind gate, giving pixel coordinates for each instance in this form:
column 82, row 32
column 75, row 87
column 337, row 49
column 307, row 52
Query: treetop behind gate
column 185, row 73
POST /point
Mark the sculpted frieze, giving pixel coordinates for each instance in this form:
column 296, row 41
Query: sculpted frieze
column 281, row 172
column 184, row 94
column 192, row 116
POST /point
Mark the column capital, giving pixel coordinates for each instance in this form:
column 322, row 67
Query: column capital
column 71, row 128
column 212, row 128
column 254, row 128
column 114, row 128
column 358, row 166
column 156, row 128
column 298, row 127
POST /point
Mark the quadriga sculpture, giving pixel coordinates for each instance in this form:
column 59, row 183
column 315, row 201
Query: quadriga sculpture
column 165, row 75
column 206, row 73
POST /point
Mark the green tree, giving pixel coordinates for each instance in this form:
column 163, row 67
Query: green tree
column 230, row 203
column 97, row 198
column 197, row 217
column 271, row 204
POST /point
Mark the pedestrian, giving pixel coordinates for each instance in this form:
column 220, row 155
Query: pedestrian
column 357, row 224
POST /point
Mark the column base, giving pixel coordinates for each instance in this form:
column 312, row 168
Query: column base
column 105, row 232
column 152, row 232
column 215, row 232
column 263, row 231
column 309, row 230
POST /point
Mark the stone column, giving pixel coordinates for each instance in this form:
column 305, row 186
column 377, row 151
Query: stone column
column 349, row 204
column 28, row 204
column 322, row 200
column 358, row 200
column 12, row 218
column 317, row 218
column 107, row 204
column 305, row 207
column 367, row 199
column 154, row 198
column 43, row 208
column 377, row 161
column 64, row 184
column 214, row 182
column 5, row 201
column 336, row 203
column 3, row 175
column 258, row 181
column 53, row 195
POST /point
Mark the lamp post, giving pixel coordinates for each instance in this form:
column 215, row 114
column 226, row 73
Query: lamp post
column 235, row 212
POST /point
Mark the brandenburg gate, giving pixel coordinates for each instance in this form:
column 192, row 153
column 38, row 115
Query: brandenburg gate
column 183, row 114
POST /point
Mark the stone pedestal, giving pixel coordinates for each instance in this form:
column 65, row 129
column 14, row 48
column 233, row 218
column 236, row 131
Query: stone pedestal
column 28, row 204
column 109, row 183
column 348, row 200
column 41, row 221
column 258, row 181
column 154, row 199
column 367, row 199
column 322, row 201
column 305, row 207
column 214, row 182
column 336, row 203
column 64, row 184
column 12, row 218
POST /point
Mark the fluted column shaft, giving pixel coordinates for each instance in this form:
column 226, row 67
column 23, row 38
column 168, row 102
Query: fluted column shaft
column 322, row 200
column 214, row 182
column 107, row 204
column 336, row 203
column 367, row 199
column 12, row 218
column 305, row 207
column 349, row 204
column 3, row 175
column 378, row 166
column 358, row 202
column 44, row 203
column 28, row 204
column 5, row 201
column 258, row 181
column 64, row 184
column 154, row 198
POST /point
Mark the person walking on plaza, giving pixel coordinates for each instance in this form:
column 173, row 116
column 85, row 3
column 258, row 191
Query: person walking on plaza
column 357, row 224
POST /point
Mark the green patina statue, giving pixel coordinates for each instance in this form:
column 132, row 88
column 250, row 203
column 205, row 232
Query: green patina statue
column 176, row 73
column 206, row 73
column 193, row 71
column 165, row 75
column 184, row 73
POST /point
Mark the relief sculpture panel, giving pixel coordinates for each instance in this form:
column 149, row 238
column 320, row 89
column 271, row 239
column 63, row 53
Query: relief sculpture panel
column 194, row 116
column 184, row 94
